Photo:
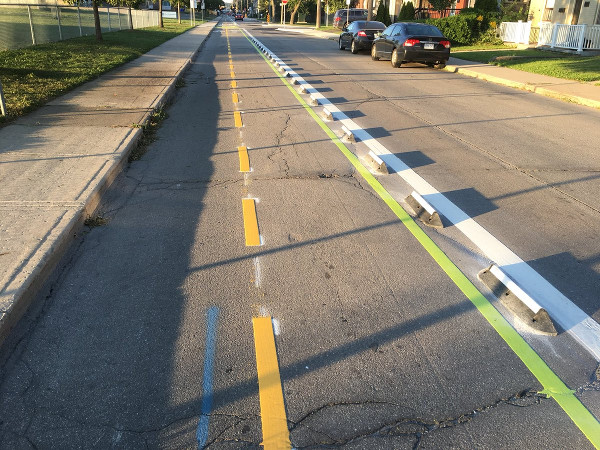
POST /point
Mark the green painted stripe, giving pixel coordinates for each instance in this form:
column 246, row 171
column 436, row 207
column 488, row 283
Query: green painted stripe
column 553, row 386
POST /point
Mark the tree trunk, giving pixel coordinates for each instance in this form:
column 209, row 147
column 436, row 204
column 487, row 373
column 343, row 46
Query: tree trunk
column 178, row 13
column 97, row 21
column 130, row 19
column 298, row 3
column 272, row 10
column 160, row 21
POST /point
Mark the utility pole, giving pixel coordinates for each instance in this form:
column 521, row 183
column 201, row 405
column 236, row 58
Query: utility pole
column 318, row 14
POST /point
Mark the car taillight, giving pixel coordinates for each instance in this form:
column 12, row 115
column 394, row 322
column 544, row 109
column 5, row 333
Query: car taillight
column 362, row 33
column 445, row 43
column 411, row 42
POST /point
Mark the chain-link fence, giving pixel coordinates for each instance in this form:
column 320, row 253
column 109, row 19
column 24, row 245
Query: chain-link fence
column 24, row 25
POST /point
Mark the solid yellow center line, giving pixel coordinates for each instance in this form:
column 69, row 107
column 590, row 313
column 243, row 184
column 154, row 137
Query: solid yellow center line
column 275, row 432
column 234, row 97
column 233, row 83
column 244, row 160
column 232, row 74
column 250, row 222
column 237, row 116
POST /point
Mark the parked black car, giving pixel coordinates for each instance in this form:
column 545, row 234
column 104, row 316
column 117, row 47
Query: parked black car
column 412, row 42
column 359, row 35
column 344, row 17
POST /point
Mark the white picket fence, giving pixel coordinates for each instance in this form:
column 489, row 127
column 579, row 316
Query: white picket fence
column 553, row 35
column 515, row 32
column 573, row 37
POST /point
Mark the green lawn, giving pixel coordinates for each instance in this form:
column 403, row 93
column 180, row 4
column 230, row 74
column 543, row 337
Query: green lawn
column 554, row 64
column 34, row 75
column 488, row 47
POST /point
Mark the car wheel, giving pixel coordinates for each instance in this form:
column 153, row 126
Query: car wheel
column 430, row 64
column 354, row 47
column 340, row 45
column 440, row 65
column 374, row 56
column 396, row 59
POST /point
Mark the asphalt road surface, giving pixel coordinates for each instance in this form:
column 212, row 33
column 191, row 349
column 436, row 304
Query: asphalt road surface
column 292, row 301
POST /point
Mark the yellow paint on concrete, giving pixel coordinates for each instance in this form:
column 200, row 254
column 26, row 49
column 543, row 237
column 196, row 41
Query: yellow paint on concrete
column 276, row 435
column 233, row 83
column 244, row 159
column 250, row 222
column 234, row 97
column 237, row 116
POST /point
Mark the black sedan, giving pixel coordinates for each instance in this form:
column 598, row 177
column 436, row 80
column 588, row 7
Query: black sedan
column 359, row 35
column 412, row 42
column 239, row 16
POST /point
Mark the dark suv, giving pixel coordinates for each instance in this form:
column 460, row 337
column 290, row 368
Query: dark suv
column 343, row 17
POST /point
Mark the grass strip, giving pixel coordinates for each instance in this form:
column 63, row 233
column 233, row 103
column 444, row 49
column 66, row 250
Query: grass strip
column 34, row 75
column 554, row 64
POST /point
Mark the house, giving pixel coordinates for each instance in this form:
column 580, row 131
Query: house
column 568, row 12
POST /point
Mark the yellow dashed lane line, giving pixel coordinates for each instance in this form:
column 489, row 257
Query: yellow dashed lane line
column 237, row 116
column 275, row 432
column 244, row 160
column 250, row 222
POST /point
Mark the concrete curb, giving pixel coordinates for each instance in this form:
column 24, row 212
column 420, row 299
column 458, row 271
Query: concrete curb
column 41, row 266
column 523, row 86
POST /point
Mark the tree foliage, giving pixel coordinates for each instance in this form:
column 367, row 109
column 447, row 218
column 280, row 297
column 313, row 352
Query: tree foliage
column 486, row 5
column 464, row 28
column 441, row 5
column 407, row 12
column 382, row 14
column 334, row 5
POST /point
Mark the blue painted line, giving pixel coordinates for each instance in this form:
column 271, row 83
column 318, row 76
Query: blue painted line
column 207, row 378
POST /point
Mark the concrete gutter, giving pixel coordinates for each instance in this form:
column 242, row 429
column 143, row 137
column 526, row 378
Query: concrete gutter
column 56, row 163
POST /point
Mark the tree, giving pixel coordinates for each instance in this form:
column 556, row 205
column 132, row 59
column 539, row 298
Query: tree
column 296, row 4
column 486, row 5
column 382, row 14
column 441, row 5
column 334, row 5
column 407, row 12
column 95, row 3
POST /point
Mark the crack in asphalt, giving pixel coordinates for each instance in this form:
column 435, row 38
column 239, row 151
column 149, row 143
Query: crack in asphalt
column 278, row 151
column 396, row 426
column 593, row 385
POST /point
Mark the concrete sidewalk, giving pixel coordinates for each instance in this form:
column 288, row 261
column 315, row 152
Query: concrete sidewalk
column 573, row 91
column 56, row 162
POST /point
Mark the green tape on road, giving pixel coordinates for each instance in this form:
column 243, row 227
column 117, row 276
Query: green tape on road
column 554, row 387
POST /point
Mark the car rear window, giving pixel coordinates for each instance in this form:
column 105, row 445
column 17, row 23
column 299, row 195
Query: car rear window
column 426, row 30
column 370, row 25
